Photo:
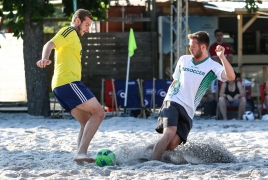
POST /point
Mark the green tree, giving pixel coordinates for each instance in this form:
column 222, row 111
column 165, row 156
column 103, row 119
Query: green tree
column 96, row 7
column 26, row 20
column 27, row 23
column 252, row 5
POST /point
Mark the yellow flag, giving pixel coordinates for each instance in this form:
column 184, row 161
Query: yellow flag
column 131, row 43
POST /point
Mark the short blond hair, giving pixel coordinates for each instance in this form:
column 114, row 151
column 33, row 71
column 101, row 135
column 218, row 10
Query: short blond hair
column 202, row 37
column 81, row 14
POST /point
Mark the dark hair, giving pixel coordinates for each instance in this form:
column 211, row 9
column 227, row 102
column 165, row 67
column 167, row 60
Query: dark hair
column 81, row 14
column 202, row 37
column 237, row 75
column 217, row 30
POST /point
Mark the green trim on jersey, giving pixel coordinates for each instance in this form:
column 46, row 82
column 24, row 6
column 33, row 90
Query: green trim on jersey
column 193, row 81
column 176, row 86
column 199, row 62
column 204, row 85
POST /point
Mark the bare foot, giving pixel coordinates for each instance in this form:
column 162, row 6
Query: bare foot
column 83, row 157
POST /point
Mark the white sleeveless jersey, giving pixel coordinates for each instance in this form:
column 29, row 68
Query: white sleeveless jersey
column 193, row 80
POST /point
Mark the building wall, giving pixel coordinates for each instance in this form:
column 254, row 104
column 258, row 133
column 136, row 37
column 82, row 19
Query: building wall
column 124, row 12
column 12, row 75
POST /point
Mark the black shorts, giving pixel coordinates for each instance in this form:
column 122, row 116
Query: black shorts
column 173, row 114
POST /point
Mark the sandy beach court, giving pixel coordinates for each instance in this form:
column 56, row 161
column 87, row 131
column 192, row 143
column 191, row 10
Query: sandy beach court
column 33, row 147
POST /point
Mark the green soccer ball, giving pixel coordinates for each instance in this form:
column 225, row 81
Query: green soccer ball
column 105, row 157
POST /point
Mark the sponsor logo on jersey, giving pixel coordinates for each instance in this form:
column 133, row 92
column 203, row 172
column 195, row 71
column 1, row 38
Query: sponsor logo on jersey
column 193, row 71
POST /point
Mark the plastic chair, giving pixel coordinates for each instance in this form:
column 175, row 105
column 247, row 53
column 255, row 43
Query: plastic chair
column 133, row 96
column 247, row 90
column 155, row 92
column 109, row 96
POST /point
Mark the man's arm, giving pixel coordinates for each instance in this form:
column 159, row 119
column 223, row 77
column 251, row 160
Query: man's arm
column 216, row 58
column 241, row 89
column 45, row 55
column 222, row 90
column 213, row 54
column 228, row 72
column 229, row 58
column 228, row 54
column 173, row 82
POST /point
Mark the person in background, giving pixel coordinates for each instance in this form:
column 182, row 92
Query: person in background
column 67, row 87
column 218, row 33
column 209, row 105
column 219, row 41
column 232, row 94
column 192, row 77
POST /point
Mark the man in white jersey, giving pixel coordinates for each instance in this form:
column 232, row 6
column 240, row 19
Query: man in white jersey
column 192, row 77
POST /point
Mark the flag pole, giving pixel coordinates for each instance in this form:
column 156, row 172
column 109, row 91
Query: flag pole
column 126, row 89
column 131, row 47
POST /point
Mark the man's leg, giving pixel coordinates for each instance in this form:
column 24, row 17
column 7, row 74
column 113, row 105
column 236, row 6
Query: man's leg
column 163, row 142
column 174, row 143
column 171, row 146
column 83, row 118
column 242, row 106
column 93, row 108
column 222, row 104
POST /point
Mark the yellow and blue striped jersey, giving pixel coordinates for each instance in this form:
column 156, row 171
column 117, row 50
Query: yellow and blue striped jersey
column 68, row 53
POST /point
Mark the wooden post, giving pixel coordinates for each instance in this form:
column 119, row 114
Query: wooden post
column 240, row 42
column 102, row 93
column 140, row 81
column 123, row 15
column 107, row 23
column 2, row 21
column 114, row 96
column 264, row 73
column 241, row 30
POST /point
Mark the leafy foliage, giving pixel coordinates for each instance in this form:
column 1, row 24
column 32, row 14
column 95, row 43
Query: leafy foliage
column 251, row 5
column 23, row 7
column 96, row 7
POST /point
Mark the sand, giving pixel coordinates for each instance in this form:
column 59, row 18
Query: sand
column 33, row 147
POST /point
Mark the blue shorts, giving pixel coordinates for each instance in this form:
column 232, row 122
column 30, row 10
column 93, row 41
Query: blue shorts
column 235, row 103
column 71, row 95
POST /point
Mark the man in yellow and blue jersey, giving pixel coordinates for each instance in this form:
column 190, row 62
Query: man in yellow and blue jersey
column 67, row 87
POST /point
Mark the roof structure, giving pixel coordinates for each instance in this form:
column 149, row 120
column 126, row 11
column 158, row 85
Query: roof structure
column 235, row 7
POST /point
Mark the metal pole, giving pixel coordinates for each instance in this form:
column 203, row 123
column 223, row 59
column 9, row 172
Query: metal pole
column 123, row 15
column 187, row 29
column 171, row 39
column 126, row 89
column 179, row 11
column 160, row 41
column 107, row 23
column 75, row 5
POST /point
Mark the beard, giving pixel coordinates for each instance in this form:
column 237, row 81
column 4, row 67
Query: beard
column 79, row 30
column 197, row 55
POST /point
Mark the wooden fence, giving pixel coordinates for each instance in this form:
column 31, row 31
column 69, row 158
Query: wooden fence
column 105, row 56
